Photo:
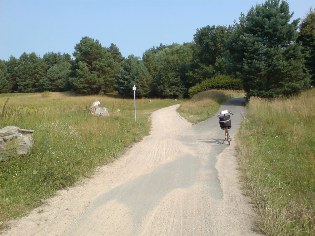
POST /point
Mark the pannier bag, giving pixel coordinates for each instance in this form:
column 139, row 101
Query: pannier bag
column 225, row 121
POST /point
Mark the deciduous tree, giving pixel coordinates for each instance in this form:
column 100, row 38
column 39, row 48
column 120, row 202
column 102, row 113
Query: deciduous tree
column 168, row 66
column 209, row 50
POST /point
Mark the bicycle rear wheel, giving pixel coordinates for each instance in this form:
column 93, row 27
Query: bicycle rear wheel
column 229, row 139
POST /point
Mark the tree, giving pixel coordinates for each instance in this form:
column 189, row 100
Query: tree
column 114, row 51
column 12, row 65
column 106, row 70
column 51, row 58
column 168, row 66
column 133, row 72
column 307, row 38
column 85, row 81
column 272, row 63
column 88, row 51
column 209, row 50
column 58, row 72
column 30, row 70
column 56, row 78
column 4, row 78
column 96, row 62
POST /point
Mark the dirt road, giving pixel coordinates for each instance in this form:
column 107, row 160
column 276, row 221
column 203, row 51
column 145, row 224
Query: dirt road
column 179, row 180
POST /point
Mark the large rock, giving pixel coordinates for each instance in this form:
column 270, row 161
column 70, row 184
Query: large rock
column 15, row 141
column 96, row 110
column 101, row 111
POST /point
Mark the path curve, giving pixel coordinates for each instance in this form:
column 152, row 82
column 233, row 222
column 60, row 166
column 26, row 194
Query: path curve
column 179, row 180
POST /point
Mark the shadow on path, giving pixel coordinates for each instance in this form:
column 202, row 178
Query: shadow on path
column 236, row 102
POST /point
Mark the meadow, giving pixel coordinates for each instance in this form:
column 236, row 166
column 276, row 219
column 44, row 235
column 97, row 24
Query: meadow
column 69, row 143
column 276, row 149
column 277, row 160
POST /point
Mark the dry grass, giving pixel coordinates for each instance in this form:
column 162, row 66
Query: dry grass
column 69, row 143
column 277, row 149
column 205, row 104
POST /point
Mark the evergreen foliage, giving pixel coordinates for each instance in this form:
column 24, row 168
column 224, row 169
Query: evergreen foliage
column 133, row 72
column 95, row 67
column 56, row 78
column 31, row 69
column 307, row 38
column 4, row 78
column 271, row 61
column 12, row 65
column 58, row 72
column 85, row 82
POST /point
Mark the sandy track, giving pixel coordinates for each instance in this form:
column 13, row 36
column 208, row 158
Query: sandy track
column 179, row 180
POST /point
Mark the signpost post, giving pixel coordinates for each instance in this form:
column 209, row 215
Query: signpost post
column 134, row 100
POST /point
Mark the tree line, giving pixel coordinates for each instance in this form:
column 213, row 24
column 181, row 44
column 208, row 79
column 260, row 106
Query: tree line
column 269, row 52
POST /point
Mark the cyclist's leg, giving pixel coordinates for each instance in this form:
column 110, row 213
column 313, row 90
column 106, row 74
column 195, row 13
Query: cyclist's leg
column 226, row 131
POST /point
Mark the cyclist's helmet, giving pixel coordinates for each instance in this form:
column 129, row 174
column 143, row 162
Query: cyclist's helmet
column 224, row 112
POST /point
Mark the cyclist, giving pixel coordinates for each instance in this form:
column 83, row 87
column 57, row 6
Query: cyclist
column 225, row 123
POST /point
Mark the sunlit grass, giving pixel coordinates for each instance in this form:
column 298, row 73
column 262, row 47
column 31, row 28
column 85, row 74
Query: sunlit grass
column 277, row 156
column 205, row 104
column 69, row 143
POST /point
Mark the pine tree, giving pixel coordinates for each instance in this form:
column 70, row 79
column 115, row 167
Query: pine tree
column 272, row 63
column 133, row 72
column 29, row 71
column 307, row 38
column 4, row 78
column 101, row 66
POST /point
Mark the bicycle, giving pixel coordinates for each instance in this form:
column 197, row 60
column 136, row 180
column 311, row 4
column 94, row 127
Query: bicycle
column 227, row 136
column 225, row 124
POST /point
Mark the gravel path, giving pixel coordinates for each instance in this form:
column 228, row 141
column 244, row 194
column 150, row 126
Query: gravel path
column 179, row 180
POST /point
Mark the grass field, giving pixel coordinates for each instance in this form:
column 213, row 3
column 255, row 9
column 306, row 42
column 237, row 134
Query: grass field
column 205, row 104
column 69, row 143
column 277, row 159
column 276, row 150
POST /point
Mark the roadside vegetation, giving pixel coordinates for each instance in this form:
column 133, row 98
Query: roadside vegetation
column 277, row 160
column 205, row 104
column 69, row 143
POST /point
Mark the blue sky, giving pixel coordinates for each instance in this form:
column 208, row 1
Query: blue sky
column 43, row 26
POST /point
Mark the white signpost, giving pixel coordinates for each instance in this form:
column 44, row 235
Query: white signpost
column 134, row 100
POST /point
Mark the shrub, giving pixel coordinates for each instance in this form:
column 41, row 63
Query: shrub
column 217, row 82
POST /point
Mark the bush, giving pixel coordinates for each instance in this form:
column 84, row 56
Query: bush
column 217, row 82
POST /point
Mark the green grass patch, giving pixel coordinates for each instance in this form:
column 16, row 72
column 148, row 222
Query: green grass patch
column 69, row 143
column 205, row 104
column 277, row 159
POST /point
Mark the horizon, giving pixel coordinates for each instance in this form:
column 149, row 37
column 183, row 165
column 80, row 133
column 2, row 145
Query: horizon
column 134, row 27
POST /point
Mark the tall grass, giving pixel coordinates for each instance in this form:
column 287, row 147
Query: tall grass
column 205, row 104
column 69, row 143
column 277, row 158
